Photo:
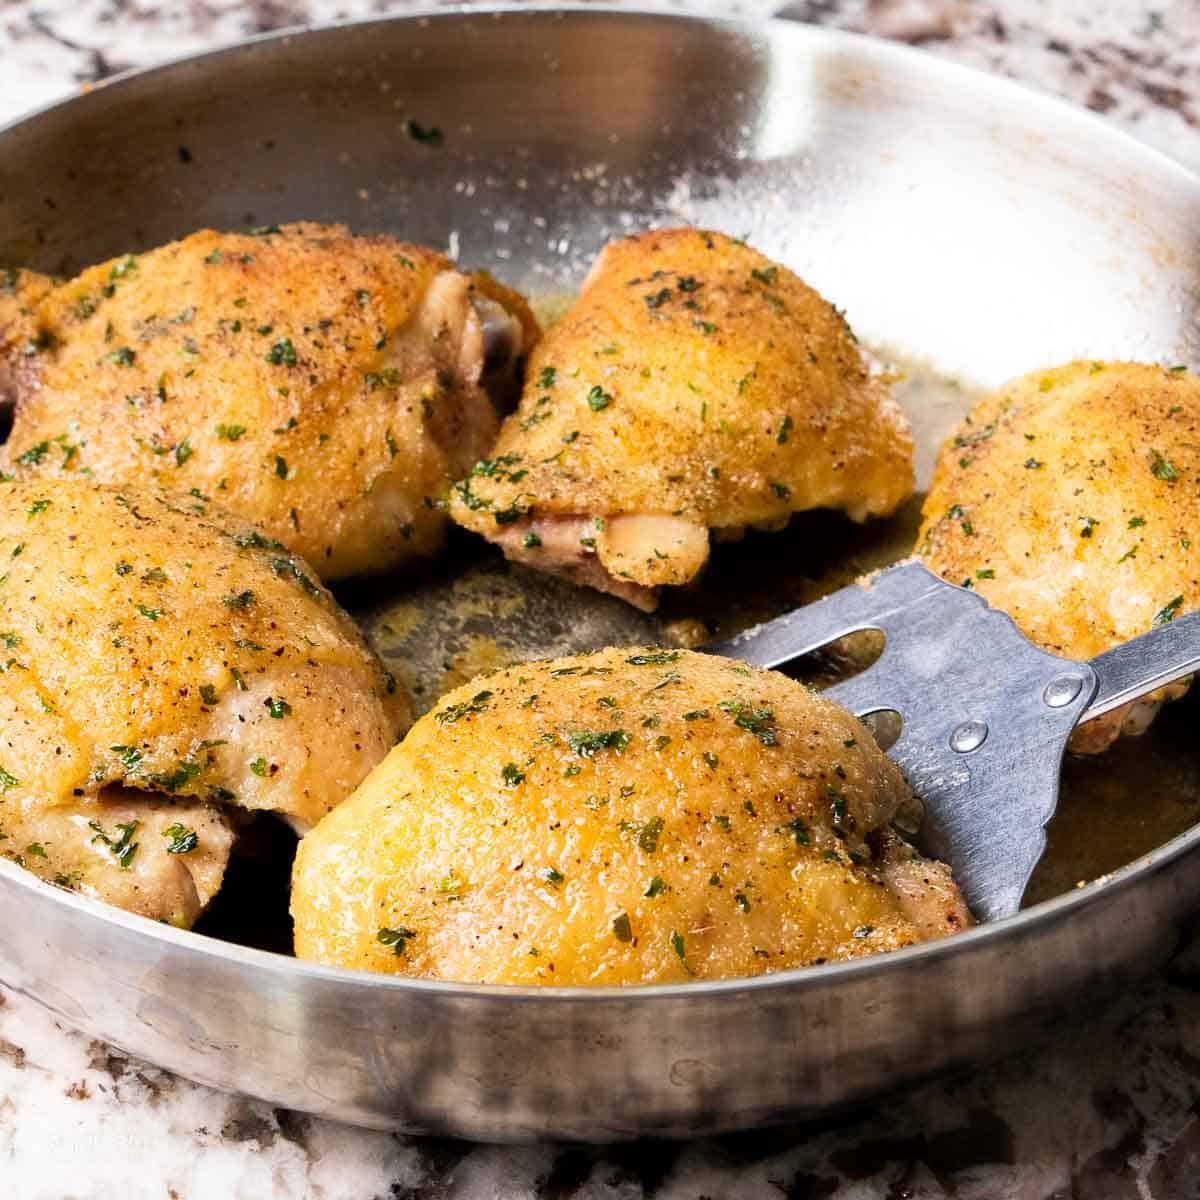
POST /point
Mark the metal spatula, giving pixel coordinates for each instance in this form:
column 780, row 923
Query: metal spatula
column 986, row 714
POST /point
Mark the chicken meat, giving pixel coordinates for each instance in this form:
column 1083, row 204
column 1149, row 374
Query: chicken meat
column 630, row 816
column 1070, row 498
column 694, row 387
column 164, row 666
column 327, row 386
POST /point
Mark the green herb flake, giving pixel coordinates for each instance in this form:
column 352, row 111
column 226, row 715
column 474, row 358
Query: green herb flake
column 277, row 707
column 758, row 721
column 1167, row 613
column 259, row 767
column 656, row 659
column 464, row 708
column 123, row 847
column 427, row 135
column 598, row 399
column 1161, row 468
column 622, row 929
column 282, row 353
column 512, row 775
column 551, row 875
column 183, row 840
column 656, row 887
column 398, row 938
column 680, row 952
column 797, row 829
column 588, row 743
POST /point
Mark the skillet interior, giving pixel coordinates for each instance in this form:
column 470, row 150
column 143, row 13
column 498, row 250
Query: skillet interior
column 1021, row 234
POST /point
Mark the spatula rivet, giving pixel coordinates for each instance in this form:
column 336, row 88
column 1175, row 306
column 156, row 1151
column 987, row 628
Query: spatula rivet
column 1062, row 691
column 968, row 736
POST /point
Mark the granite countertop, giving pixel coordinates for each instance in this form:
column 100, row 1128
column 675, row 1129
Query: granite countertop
column 1109, row 1111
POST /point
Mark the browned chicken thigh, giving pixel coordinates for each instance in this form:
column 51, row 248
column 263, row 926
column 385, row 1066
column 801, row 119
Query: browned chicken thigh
column 329, row 387
column 162, row 667
column 1070, row 498
column 631, row 816
column 694, row 387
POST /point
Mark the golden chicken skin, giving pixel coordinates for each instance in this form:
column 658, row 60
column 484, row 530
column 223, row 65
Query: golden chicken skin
column 631, row 816
column 1070, row 498
column 326, row 386
column 694, row 386
column 165, row 665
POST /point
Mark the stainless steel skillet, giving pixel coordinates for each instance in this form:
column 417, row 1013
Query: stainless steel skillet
column 958, row 218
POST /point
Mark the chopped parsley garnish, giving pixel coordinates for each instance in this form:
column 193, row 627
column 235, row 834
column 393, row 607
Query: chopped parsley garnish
column 622, row 929
column 427, row 135
column 183, row 840
column 388, row 378
column 183, row 451
column 1167, row 613
column 512, row 774
column 740, row 899
column 758, row 721
column 151, row 614
column 8, row 780
column 785, row 428
column 240, row 601
column 1088, row 524
column 1161, row 468
column 34, row 454
column 230, row 433
column 398, row 939
column 464, row 708
column 277, row 707
column 598, row 399
column 587, row 742
column 531, row 541
column 282, row 353
column 552, row 875
column 123, row 848
column 655, row 659
column 680, row 953
column 646, row 834
column 1136, row 522
column 797, row 829
column 123, row 356
column 656, row 887
column 259, row 767
column 208, row 693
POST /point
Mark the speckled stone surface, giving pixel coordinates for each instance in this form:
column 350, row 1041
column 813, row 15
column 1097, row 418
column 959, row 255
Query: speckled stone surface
column 1110, row 1111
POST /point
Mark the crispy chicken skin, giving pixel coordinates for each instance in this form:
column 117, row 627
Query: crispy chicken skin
column 693, row 386
column 327, row 386
column 162, row 663
column 1069, row 498
column 631, row 816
